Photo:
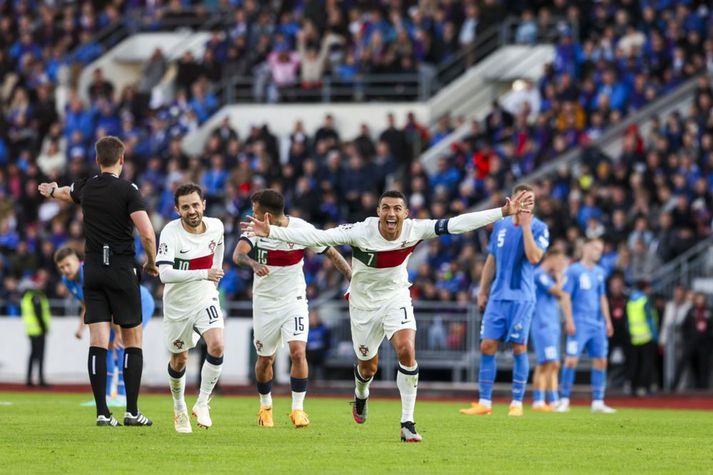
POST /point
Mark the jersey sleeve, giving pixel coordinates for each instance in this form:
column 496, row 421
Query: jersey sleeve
column 317, row 249
column 310, row 237
column 219, row 248
column 544, row 281
column 493, row 239
column 601, row 284
column 252, row 240
column 75, row 190
column 166, row 247
column 542, row 236
column 135, row 202
column 463, row 223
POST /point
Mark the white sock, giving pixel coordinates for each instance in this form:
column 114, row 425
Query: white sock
column 485, row 402
column 178, row 389
column 266, row 400
column 408, row 387
column 298, row 401
column 209, row 377
column 598, row 403
column 362, row 388
column 516, row 404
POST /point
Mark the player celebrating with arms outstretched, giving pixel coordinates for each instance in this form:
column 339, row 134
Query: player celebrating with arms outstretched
column 190, row 260
column 379, row 298
column 280, row 311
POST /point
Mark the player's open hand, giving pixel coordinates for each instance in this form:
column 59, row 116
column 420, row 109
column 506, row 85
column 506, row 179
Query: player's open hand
column 255, row 227
column 214, row 275
column 46, row 188
column 151, row 269
column 260, row 270
column 521, row 203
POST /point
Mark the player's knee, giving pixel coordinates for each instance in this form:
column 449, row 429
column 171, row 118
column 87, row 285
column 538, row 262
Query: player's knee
column 488, row 347
column 570, row 362
column 179, row 361
column 298, row 354
column 518, row 348
column 216, row 349
column 263, row 362
column 599, row 363
column 367, row 369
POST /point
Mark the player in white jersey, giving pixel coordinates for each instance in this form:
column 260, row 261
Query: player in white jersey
column 280, row 312
column 379, row 298
column 190, row 260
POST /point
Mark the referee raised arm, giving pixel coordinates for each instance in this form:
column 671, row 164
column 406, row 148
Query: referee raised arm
column 112, row 207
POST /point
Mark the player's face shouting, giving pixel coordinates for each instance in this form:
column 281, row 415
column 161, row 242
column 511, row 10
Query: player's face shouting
column 391, row 212
column 191, row 208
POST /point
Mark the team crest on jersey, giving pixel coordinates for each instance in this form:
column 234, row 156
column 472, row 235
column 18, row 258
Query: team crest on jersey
column 403, row 244
column 290, row 245
column 211, row 246
column 178, row 344
column 364, row 350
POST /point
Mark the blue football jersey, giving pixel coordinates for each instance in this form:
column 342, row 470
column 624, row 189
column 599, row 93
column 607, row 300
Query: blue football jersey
column 75, row 286
column 586, row 287
column 514, row 275
column 546, row 310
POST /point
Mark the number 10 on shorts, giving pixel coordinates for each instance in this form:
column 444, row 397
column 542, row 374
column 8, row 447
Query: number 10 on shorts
column 212, row 313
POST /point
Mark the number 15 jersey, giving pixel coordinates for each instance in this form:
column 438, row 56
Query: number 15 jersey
column 285, row 284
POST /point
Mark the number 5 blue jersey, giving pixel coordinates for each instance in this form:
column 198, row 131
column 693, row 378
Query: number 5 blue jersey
column 514, row 275
column 586, row 287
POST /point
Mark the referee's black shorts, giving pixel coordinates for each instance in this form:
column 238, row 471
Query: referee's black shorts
column 111, row 293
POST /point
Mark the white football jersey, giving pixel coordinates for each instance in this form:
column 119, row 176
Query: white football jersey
column 186, row 251
column 285, row 284
column 379, row 272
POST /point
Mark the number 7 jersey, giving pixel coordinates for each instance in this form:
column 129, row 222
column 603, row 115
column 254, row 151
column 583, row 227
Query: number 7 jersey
column 285, row 284
column 189, row 252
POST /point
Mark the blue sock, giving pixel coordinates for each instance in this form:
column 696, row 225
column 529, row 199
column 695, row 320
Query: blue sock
column 552, row 397
column 110, row 367
column 566, row 381
column 599, row 382
column 538, row 396
column 487, row 377
column 520, row 372
column 121, row 387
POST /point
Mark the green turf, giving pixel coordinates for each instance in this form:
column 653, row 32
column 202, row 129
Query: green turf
column 51, row 433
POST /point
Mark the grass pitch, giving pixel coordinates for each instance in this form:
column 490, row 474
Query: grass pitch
column 43, row 433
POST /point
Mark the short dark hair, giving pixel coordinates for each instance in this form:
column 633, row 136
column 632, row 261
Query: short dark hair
column 109, row 150
column 392, row 194
column 187, row 189
column 521, row 187
column 270, row 200
column 63, row 253
column 554, row 252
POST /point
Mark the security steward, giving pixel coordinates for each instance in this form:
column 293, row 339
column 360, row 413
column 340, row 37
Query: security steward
column 111, row 208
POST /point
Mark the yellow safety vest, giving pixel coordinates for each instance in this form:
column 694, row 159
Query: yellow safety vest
column 32, row 326
column 638, row 326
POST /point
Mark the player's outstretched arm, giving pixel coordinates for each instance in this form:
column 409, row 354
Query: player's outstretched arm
column 467, row 222
column 56, row 192
column 339, row 262
column 241, row 258
column 308, row 237
column 169, row 275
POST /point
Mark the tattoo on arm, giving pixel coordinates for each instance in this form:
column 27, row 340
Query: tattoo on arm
column 340, row 263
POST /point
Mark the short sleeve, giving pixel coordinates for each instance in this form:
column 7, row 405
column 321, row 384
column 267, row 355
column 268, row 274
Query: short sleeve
column 135, row 202
column 252, row 240
column 75, row 190
column 601, row 285
column 166, row 247
column 542, row 237
column 544, row 281
column 570, row 280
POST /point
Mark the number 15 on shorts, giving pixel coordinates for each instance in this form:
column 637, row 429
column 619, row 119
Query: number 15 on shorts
column 299, row 326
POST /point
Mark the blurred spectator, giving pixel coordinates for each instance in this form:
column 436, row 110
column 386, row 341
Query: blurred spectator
column 318, row 344
column 697, row 335
column 36, row 317
column 643, row 333
column 619, row 343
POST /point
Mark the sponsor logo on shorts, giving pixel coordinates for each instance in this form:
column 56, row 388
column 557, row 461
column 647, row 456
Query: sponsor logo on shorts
column 258, row 345
column 179, row 344
column 364, row 350
column 163, row 248
column 182, row 251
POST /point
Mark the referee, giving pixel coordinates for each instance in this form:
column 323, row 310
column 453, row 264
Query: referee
column 111, row 208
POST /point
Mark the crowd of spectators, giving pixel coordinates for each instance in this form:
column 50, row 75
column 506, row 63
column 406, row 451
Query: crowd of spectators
column 650, row 203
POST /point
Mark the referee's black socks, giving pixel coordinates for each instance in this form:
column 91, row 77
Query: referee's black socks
column 96, row 364
column 133, row 367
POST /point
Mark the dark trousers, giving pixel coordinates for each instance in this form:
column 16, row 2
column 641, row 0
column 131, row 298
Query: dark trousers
column 697, row 357
column 37, row 354
column 642, row 366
